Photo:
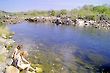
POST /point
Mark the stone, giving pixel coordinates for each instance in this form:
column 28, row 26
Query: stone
column 2, row 40
column 9, row 42
column 9, row 61
column 30, row 72
column 3, row 50
column 11, row 69
column 4, row 36
column 2, row 67
column 39, row 70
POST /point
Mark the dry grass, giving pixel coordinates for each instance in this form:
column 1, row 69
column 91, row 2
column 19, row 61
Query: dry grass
column 3, row 30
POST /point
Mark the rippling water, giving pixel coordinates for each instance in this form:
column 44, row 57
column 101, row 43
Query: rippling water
column 78, row 50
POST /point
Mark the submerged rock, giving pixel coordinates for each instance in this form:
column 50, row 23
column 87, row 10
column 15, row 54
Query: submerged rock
column 39, row 70
column 104, row 68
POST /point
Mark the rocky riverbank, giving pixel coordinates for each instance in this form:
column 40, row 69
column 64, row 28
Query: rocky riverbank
column 6, row 45
column 10, row 19
column 63, row 20
column 101, row 24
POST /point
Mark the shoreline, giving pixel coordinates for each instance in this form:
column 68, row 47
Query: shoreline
column 42, row 60
column 68, row 21
column 6, row 46
column 62, row 20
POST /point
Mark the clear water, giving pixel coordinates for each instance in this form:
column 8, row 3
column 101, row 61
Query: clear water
column 76, row 47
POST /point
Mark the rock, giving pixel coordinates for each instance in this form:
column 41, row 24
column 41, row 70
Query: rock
column 2, row 67
column 30, row 72
column 9, row 61
column 3, row 49
column 4, row 36
column 11, row 69
column 39, row 70
column 2, row 40
column 6, row 41
column 9, row 42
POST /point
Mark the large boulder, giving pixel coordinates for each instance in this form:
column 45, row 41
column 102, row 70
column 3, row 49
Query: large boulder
column 11, row 69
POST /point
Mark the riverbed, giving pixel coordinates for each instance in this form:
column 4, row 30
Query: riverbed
column 64, row 49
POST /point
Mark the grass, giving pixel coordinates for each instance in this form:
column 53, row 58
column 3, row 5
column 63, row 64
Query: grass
column 3, row 30
column 2, row 58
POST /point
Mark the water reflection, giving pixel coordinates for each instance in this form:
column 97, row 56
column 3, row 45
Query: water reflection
column 64, row 49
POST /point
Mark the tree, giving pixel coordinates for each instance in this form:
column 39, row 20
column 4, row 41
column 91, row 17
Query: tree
column 52, row 13
column 63, row 12
column 101, row 9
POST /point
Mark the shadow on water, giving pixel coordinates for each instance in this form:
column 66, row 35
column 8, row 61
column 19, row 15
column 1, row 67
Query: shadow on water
column 65, row 49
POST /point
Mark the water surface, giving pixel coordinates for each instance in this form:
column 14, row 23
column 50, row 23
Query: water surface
column 72, row 49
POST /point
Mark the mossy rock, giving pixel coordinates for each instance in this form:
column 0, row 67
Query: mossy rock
column 9, row 47
column 39, row 70
column 47, row 63
column 10, row 35
column 38, row 67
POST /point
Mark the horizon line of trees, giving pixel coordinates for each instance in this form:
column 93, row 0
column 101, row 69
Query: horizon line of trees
column 87, row 12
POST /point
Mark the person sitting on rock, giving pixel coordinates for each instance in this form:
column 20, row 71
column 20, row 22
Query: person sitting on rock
column 22, row 62
column 15, row 54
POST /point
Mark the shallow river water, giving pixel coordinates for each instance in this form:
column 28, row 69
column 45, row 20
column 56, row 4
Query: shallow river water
column 64, row 49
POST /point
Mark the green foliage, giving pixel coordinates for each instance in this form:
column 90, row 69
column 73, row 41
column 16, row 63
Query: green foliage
column 52, row 13
column 86, row 12
column 101, row 9
column 63, row 12
column 91, row 12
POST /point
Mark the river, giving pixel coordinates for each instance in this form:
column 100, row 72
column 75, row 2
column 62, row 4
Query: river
column 64, row 49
